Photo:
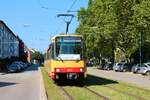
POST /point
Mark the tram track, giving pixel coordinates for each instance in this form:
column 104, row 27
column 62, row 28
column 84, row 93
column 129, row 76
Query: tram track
column 96, row 93
column 139, row 88
column 69, row 96
column 126, row 93
column 65, row 93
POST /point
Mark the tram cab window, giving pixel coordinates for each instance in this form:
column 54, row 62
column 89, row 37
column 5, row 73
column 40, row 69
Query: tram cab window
column 69, row 46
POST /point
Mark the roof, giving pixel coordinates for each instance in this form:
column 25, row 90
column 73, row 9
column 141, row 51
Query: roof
column 9, row 30
column 16, row 36
column 32, row 50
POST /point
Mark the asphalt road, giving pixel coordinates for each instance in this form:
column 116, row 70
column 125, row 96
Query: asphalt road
column 21, row 86
column 128, row 77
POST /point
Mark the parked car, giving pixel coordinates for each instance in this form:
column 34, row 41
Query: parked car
column 144, row 69
column 135, row 68
column 13, row 68
column 121, row 67
column 25, row 65
column 90, row 63
column 19, row 63
column 125, row 67
column 116, row 66
column 108, row 66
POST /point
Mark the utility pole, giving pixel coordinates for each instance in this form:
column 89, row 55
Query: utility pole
column 67, row 22
column 141, row 45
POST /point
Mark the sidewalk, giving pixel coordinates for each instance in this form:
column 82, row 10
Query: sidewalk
column 128, row 77
column 42, row 88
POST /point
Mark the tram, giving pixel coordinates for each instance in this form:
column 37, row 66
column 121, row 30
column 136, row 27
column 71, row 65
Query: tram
column 65, row 58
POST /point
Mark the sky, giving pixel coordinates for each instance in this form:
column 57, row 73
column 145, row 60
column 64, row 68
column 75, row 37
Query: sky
column 36, row 21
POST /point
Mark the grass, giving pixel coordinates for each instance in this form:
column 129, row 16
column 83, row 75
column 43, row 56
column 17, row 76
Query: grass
column 78, row 93
column 53, row 92
column 97, row 84
column 132, row 89
column 111, row 94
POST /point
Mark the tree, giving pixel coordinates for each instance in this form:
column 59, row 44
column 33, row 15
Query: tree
column 37, row 56
column 108, row 25
column 97, row 24
column 141, row 24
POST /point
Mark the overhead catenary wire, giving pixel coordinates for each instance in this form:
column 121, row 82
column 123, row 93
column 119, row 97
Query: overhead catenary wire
column 74, row 2
column 72, row 5
column 47, row 8
column 42, row 6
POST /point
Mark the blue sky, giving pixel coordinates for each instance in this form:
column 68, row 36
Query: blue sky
column 36, row 21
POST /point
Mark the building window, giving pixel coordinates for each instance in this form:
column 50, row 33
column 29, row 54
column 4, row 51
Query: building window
column 12, row 38
column 9, row 50
column 0, row 52
column 0, row 32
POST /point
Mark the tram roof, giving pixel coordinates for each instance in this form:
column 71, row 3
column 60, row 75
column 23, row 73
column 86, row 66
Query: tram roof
column 65, row 35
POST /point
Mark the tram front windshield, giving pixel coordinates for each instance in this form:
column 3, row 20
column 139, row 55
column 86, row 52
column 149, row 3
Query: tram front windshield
column 69, row 48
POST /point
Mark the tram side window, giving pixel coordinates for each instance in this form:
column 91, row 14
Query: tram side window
column 48, row 55
column 45, row 56
column 52, row 51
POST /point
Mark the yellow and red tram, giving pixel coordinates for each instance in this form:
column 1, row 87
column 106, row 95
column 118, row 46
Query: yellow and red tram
column 65, row 57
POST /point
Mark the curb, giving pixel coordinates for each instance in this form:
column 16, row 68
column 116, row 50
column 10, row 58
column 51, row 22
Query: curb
column 42, row 88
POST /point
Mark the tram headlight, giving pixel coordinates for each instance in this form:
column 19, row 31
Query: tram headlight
column 57, row 70
column 81, row 69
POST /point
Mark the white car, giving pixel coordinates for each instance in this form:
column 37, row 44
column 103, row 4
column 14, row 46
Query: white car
column 144, row 69
column 117, row 66
column 135, row 68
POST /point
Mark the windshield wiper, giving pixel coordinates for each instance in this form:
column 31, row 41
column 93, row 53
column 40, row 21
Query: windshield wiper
column 60, row 58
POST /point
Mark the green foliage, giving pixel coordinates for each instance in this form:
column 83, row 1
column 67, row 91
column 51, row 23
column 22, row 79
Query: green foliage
column 110, row 24
column 23, row 57
column 37, row 56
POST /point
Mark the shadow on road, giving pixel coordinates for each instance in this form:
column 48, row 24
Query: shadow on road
column 3, row 84
column 89, row 81
column 94, row 80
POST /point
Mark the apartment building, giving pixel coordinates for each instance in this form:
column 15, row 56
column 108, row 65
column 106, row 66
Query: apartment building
column 9, row 42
